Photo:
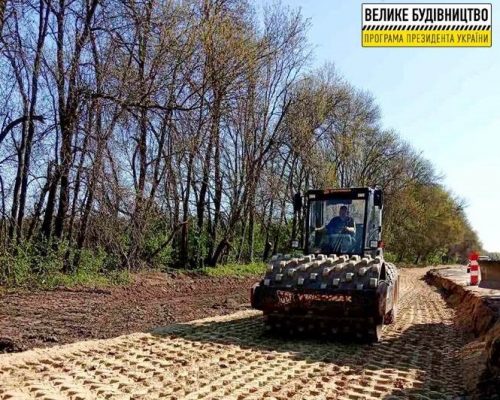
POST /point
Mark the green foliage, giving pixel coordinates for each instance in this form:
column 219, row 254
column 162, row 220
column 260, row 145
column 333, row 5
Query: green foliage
column 15, row 266
column 41, row 265
column 198, row 242
column 390, row 257
column 235, row 270
column 155, row 249
column 87, row 278
column 424, row 223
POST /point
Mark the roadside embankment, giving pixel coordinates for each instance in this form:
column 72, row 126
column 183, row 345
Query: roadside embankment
column 477, row 312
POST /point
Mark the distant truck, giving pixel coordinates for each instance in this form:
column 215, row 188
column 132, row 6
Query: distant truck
column 484, row 258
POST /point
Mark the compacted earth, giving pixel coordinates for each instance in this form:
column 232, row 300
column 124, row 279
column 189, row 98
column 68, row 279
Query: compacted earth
column 48, row 318
column 421, row 355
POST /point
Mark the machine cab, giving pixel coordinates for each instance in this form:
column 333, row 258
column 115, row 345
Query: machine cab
column 343, row 221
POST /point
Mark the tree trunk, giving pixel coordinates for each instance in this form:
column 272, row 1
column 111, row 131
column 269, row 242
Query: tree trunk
column 51, row 206
column 38, row 208
column 66, row 158
column 42, row 32
column 17, row 184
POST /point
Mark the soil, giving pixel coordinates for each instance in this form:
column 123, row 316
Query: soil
column 477, row 312
column 47, row 318
column 231, row 357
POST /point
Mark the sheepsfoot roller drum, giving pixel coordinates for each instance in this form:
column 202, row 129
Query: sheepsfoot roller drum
column 349, row 293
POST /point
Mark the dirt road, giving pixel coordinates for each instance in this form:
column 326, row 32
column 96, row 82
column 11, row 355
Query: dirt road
column 228, row 357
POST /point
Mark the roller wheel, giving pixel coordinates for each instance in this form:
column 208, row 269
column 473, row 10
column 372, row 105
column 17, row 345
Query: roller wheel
column 374, row 334
column 274, row 325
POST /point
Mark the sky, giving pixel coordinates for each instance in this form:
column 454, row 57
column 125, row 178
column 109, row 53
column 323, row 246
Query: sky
column 444, row 101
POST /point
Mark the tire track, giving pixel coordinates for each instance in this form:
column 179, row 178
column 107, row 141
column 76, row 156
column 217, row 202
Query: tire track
column 229, row 357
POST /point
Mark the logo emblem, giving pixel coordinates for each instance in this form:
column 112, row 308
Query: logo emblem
column 426, row 25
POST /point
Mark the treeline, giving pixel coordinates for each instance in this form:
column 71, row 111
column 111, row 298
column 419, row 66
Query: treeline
column 150, row 132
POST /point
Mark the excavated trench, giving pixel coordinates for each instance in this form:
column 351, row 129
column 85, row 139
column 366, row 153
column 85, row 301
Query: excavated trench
column 477, row 312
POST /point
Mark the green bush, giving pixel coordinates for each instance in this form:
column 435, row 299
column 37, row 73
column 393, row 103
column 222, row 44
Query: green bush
column 15, row 266
column 41, row 265
column 154, row 241
column 390, row 257
column 235, row 270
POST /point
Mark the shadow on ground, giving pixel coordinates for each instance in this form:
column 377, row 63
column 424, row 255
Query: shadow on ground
column 421, row 350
